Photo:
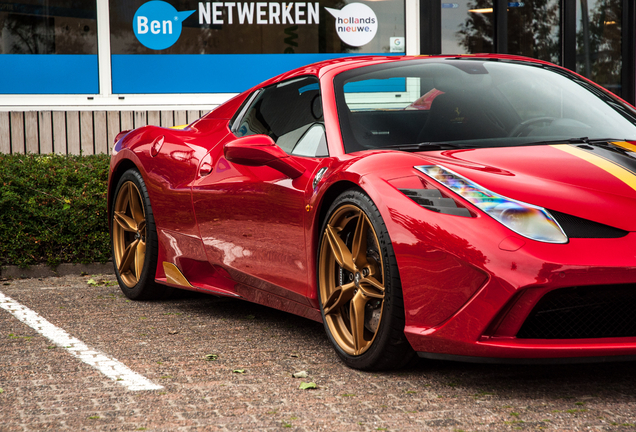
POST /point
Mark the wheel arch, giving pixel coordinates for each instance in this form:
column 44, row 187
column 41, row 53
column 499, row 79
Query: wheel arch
column 391, row 335
column 123, row 166
column 326, row 200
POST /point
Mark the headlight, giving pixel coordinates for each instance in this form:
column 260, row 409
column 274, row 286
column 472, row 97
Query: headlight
column 525, row 219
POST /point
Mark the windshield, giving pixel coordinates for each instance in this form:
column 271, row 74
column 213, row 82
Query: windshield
column 473, row 103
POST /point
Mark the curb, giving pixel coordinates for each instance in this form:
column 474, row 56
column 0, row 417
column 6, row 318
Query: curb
column 42, row 270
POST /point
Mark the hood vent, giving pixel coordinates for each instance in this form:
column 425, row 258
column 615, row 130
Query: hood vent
column 576, row 227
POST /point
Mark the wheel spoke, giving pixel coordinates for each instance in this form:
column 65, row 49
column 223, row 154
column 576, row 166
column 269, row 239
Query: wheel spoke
column 140, row 255
column 141, row 227
column 128, row 257
column 359, row 246
column 344, row 222
column 127, row 223
column 340, row 250
column 371, row 287
column 135, row 206
column 356, row 318
column 338, row 298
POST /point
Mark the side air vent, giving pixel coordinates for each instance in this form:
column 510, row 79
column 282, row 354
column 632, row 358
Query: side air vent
column 576, row 227
column 433, row 200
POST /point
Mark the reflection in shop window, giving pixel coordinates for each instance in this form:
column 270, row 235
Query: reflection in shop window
column 23, row 34
column 534, row 27
column 48, row 47
column 43, row 27
column 467, row 26
column 598, row 42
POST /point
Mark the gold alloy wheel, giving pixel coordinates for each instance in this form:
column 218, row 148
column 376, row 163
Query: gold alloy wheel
column 351, row 276
column 129, row 234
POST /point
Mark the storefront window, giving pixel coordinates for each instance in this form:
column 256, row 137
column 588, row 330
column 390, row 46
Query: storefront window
column 48, row 47
column 534, row 27
column 598, row 42
column 215, row 46
column 467, row 26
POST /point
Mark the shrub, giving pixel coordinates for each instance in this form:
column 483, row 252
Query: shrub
column 53, row 209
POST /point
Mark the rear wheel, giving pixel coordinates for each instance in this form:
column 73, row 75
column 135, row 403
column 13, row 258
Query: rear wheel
column 359, row 286
column 134, row 239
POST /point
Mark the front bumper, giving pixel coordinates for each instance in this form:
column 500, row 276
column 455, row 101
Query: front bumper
column 486, row 328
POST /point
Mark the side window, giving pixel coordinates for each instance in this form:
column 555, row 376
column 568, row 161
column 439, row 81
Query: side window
column 290, row 113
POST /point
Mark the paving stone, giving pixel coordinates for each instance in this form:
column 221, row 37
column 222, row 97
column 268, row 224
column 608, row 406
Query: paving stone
column 46, row 388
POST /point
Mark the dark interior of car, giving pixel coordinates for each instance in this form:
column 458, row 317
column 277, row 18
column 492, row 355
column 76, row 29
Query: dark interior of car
column 453, row 116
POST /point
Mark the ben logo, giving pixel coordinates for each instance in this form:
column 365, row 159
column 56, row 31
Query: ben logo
column 157, row 24
column 356, row 23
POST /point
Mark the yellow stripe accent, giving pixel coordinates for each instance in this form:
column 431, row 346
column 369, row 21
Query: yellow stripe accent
column 617, row 171
column 625, row 145
column 180, row 126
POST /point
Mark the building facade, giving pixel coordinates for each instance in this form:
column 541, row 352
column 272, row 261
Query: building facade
column 76, row 72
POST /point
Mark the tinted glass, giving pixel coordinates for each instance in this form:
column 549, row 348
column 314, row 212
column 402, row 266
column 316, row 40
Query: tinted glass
column 291, row 114
column 473, row 103
column 598, row 42
column 263, row 27
column 44, row 27
column 534, row 27
column 467, row 26
column 228, row 47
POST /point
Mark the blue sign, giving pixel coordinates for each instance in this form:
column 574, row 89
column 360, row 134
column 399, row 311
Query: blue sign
column 516, row 4
column 450, row 5
column 157, row 24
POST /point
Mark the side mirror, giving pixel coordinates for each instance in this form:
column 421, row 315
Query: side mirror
column 260, row 150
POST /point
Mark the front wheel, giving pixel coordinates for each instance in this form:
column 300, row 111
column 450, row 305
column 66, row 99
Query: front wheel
column 359, row 286
column 134, row 239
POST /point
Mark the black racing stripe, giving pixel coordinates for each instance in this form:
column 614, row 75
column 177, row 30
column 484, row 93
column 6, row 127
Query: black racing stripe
column 611, row 152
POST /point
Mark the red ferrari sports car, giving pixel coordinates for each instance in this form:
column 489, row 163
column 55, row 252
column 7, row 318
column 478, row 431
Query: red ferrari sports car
column 494, row 222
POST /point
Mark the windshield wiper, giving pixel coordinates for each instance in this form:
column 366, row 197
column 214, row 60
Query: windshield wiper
column 580, row 140
column 425, row 146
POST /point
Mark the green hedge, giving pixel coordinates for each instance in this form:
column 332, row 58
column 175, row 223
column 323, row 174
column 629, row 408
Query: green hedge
column 53, row 209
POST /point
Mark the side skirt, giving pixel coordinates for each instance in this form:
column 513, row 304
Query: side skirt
column 175, row 278
column 272, row 300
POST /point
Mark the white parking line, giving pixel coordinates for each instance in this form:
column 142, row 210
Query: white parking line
column 108, row 366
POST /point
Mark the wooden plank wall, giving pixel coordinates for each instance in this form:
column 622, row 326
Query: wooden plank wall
column 78, row 132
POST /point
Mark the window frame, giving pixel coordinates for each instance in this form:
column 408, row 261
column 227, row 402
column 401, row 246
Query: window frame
column 249, row 102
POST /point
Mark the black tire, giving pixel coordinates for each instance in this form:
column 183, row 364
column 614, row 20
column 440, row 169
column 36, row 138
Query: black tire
column 133, row 228
column 352, row 299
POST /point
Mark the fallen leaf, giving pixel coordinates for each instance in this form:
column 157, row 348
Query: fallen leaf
column 301, row 374
column 1, row 390
column 173, row 331
column 307, row 385
column 211, row 357
column 241, row 371
column 91, row 282
column 295, row 355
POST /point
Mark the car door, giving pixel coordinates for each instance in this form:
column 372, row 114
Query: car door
column 252, row 218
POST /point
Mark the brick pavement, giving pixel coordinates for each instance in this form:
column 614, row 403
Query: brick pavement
column 45, row 388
